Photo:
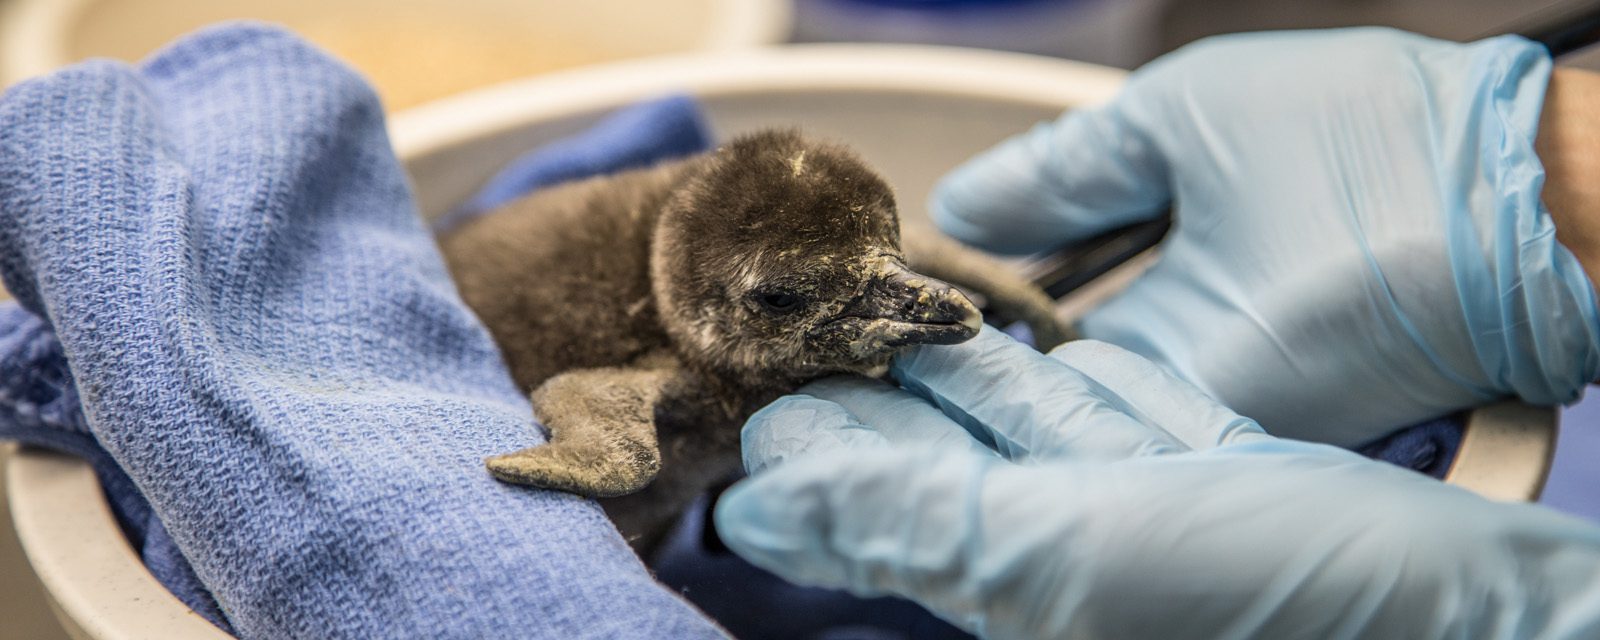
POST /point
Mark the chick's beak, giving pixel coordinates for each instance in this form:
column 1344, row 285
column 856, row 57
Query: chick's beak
column 917, row 309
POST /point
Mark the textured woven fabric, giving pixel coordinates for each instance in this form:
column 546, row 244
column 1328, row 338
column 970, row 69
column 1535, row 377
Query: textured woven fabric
column 261, row 335
column 1427, row 448
column 39, row 406
column 639, row 136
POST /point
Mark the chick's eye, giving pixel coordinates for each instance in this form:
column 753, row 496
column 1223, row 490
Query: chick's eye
column 779, row 301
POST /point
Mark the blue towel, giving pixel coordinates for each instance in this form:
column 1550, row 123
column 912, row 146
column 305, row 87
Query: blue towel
column 640, row 136
column 219, row 247
column 1427, row 448
column 39, row 406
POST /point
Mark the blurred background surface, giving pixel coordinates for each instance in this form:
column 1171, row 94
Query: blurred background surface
column 412, row 50
column 415, row 51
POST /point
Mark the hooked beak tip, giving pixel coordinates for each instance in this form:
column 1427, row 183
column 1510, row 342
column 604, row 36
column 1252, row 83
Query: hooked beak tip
column 920, row 310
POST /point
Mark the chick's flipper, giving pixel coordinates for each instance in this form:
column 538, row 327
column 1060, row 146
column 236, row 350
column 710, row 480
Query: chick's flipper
column 602, row 433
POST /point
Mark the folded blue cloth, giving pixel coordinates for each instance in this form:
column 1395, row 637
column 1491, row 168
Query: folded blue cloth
column 39, row 406
column 220, row 248
column 640, row 136
column 1427, row 448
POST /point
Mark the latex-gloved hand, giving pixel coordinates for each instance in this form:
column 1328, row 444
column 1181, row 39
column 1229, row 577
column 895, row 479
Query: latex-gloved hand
column 1088, row 494
column 1359, row 241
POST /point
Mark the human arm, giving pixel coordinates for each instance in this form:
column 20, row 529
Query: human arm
column 1568, row 145
column 1090, row 494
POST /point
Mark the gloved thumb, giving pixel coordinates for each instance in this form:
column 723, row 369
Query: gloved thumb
column 919, row 523
column 1089, row 171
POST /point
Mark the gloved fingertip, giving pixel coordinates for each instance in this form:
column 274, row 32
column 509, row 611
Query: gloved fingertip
column 871, row 401
column 899, row 416
column 1141, row 387
column 1088, row 349
column 801, row 425
column 958, row 213
column 1242, row 430
column 923, row 363
column 992, row 202
column 1088, row 171
column 843, row 388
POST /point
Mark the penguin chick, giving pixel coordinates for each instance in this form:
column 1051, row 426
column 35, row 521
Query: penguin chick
column 652, row 311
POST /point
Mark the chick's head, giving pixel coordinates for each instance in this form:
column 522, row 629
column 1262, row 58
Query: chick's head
column 779, row 259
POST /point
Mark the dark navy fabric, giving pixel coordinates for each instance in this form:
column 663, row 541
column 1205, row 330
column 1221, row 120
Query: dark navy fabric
column 1428, row 448
column 229, row 305
column 635, row 137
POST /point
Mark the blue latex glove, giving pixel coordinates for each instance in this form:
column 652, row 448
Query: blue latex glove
column 1089, row 494
column 1359, row 242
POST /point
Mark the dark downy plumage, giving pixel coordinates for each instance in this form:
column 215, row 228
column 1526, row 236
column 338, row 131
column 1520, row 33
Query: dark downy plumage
column 652, row 311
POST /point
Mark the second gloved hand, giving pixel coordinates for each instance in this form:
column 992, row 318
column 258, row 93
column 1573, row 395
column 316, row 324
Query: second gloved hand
column 1091, row 495
column 1359, row 240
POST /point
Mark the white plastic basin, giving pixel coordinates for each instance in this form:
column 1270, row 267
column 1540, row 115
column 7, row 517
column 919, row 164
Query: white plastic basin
column 914, row 112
